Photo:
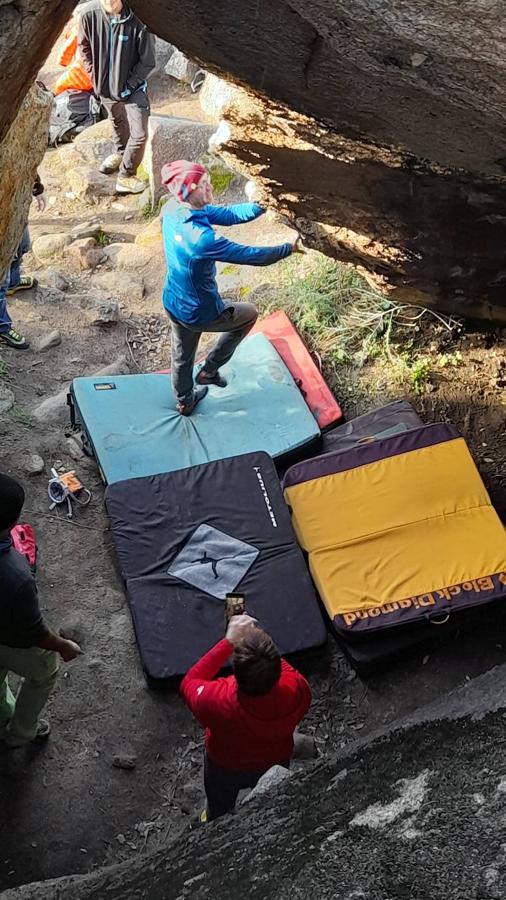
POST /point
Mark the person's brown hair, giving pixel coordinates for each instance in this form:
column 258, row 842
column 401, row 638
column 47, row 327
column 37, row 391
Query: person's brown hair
column 256, row 663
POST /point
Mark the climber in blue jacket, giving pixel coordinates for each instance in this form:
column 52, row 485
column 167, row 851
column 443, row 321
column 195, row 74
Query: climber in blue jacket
column 191, row 297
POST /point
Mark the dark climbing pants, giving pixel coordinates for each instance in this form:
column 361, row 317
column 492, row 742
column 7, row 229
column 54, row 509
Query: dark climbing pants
column 130, row 128
column 235, row 322
column 223, row 786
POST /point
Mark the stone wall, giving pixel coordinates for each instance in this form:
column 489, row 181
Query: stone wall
column 20, row 153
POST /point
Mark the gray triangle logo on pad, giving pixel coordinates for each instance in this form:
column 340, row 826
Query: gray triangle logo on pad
column 213, row 561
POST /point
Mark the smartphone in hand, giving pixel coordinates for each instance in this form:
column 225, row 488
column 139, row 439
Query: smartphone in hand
column 235, row 605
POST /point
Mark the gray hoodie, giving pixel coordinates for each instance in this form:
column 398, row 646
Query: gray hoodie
column 118, row 52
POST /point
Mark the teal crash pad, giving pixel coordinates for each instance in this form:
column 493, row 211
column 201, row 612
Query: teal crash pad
column 134, row 429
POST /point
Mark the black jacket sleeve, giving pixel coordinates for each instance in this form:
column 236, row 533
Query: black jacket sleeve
column 27, row 622
column 146, row 60
column 38, row 187
column 84, row 44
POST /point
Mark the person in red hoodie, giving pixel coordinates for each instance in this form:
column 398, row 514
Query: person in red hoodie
column 249, row 717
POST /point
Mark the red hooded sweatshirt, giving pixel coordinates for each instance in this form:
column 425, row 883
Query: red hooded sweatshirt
column 244, row 733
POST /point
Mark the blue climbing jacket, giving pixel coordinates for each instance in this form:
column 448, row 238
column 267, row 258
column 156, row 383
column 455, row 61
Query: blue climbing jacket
column 192, row 249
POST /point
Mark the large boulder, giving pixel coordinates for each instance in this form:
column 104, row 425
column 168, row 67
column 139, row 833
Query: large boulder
column 215, row 95
column 94, row 143
column 28, row 30
column 394, row 112
column 20, row 153
column 431, row 237
column 163, row 52
column 88, row 149
column 170, row 139
column 88, row 184
column 424, row 77
column 416, row 811
column 180, row 67
column 390, row 149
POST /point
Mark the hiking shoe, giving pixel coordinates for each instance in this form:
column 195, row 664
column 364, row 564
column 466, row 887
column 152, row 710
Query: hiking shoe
column 25, row 283
column 130, row 184
column 200, row 819
column 43, row 732
column 111, row 164
column 204, row 377
column 186, row 409
column 14, row 339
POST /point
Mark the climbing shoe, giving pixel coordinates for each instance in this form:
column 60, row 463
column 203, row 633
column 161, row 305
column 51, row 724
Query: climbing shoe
column 130, row 184
column 204, row 377
column 111, row 163
column 25, row 283
column 14, row 339
column 186, row 409
column 43, row 732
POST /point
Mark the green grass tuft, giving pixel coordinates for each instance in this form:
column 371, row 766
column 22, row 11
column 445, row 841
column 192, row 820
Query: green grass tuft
column 419, row 371
column 152, row 210
column 339, row 314
column 102, row 239
column 346, row 322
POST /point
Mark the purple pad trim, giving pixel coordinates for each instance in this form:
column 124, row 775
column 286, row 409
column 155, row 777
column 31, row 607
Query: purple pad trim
column 433, row 607
column 343, row 461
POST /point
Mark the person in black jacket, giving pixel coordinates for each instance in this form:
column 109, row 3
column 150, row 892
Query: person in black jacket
column 28, row 648
column 118, row 53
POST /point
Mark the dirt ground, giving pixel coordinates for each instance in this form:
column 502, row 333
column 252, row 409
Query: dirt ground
column 65, row 807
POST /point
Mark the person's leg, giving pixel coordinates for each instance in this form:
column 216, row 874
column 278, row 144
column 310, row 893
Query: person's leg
column 222, row 787
column 235, row 322
column 15, row 269
column 15, row 280
column 184, row 347
column 38, row 668
column 26, row 242
column 8, row 334
column 5, row 319
column 137, row 112
column 121, row 132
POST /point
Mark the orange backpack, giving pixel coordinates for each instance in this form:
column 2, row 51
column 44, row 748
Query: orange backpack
column 75, row 78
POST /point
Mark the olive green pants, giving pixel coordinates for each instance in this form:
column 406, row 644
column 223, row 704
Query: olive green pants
column 38, row 668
